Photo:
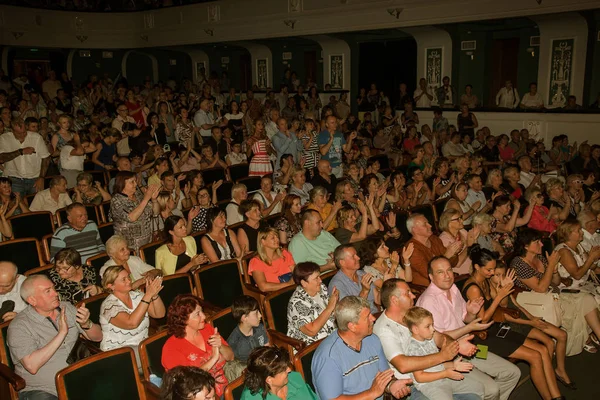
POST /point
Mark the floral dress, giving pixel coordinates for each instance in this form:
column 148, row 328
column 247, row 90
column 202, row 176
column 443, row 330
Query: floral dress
column 137, row 233
column 506, row 239
column 290, row 229
column 260, row 164
column 304, row 309
column 72, row 291
column 184, row 131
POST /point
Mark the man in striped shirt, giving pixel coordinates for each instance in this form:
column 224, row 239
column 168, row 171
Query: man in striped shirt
column 78, row 233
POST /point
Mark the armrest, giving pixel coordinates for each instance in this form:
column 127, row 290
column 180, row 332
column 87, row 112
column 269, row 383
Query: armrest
column 93, row 347
column 280, row 339
column 11, row 377
column 152, row 391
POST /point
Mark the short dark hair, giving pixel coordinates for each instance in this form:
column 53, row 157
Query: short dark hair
column 387, row 290
column 68, row 255
column 120, row 179
column 246, row 206
column 367, row 251
column 179, row 312
column 167, row 174
column 434, row 259
column 169, row 225
column 71, row 206
column 264, row 362
column 306, row 215
column 243, row 305
column 525, row 238
column 180, row 382
column 303, row 270
column 211, row 214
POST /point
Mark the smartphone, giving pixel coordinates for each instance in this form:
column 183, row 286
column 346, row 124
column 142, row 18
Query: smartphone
column 503, row 331
column 570, row 290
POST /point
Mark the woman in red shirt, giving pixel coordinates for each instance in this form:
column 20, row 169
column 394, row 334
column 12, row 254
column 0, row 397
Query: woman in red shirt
column 272, row 267
column 194, row 342
column 540, row 218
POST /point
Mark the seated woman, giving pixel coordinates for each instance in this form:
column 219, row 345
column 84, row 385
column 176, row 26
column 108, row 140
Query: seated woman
column 371, row 187
column 299, row 186
column 482, row 223
column 124, row 313
column 493, row 184
column 120, row 254
column 457, row 202
column 397, row 194
column 579, row 311
column 453, row 230
column 575, row 265
column 347, row 221
column 272, row 267
column 345, row 194
column 186, row 383
column 379, row 262
column 270, row 200
column 515, row 344
column 289, row 224
column 558, row 201
column 310, row 312
column 204, row 204
column 219, row 243
column 318, row 202
column 504, row 226
column 575, row 191
column 248, row 232
column 441, row 168
column 179, row 254
column 511, row 183
column 72, row 280
column 15, row 204
column 540, row 217
column 353, row 176
column 88, row 192
column 193, row 342
column 269, row 377
column 418, row 192
column 194, row 182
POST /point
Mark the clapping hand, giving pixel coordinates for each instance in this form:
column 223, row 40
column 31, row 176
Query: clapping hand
column 465, row 347
column 407, row 252
column 154, row 286
column 473, row 306
column 477, row 325
column 462, row 366
column 366, row 281
column 449, row 348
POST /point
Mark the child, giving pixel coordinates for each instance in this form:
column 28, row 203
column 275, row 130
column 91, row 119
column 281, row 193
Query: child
column 250, row 333
column 236, row 156
column 441, row 381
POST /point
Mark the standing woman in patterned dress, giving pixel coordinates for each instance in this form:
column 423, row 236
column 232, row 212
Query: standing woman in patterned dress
column 259, row 145
column 310, row 145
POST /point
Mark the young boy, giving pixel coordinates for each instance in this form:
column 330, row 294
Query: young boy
column 236, row 156
column 250, row 332
column 441, row 381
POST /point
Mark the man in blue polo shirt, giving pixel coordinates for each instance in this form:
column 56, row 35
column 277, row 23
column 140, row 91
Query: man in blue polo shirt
column 332, row 145
column 351, row 362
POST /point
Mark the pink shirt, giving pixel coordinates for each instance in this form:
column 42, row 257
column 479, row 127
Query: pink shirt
column 447, row 315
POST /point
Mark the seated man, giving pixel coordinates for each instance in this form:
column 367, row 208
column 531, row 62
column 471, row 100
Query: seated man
column 313, row 243
column 397, row 299
column 450, row 313
column 325, row 179
column 351, row 280
column 427, row 245
column 53, row 198
column 11, row 302
column 475, row 196
column 350, row 363
column 528, row 177
column 78, row 233
column 41, row 337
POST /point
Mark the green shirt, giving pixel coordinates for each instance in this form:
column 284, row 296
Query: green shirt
column 316, row 250
column 297, row 390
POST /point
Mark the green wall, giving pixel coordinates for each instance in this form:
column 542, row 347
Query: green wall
column 215, row 53
column 297, row 47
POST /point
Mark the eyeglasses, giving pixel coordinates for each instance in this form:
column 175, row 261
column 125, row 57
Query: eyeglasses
column 63, row 269
column 457, row 219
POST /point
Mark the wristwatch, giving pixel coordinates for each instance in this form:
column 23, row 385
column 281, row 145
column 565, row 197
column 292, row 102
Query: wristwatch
column 20, row 151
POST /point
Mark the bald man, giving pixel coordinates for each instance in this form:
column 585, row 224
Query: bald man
column 10, row 287
column 325, row 178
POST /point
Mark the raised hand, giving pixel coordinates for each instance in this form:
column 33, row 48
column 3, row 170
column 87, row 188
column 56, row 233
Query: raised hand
column 473, row 306
column 333, row 298
column 154, row 286
column 407, row 252
column 215, row 339
column 395, row 258
column 509, row 278
column 366, row 281
column 83, row 315
column 151, row 192
column 553, row 259
column 63, row 327
column 391, row 219
column 449, row 348
column 361, row 207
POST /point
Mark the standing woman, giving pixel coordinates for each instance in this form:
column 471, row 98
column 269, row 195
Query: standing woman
column 507, row 153
column 179, row 254
column 314, row 102
column 136, row 109
column 167, row 119
column 195, row 181
column 62, row 136
column 219, row 243
column 185, row 129
column 289, row 224
column 235, row 119
column 15, row 204
column 466, row 121
column 132, row 211
column 310, row 151
column 259, row 145
column 505, row 224
column 157, row 130
column 105, row 155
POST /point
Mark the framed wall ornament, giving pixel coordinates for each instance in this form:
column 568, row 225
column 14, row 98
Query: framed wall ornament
column 262, row 73
column 295, row 6
column 561, row 68
column 433, row 66
column 336, row 71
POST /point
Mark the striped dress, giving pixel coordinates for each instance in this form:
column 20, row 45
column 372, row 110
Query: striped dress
column 312, row 154
column 260, row 164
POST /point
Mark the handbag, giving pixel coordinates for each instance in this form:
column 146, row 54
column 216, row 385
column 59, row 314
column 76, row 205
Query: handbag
column 542, row 305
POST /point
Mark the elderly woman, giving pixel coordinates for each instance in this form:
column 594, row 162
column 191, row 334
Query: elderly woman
column 310, row 309
column 187, row 383
column 124, row 313
column 272, row 267
column 271, row 201
column 505, row 224
column 219, row 243
column 452, row 227
column 120, row 254
column 381, row 264
column 347, row 232
column 575, row 265
column 536, row 273
column 328, row 212
column 515, row 343
column 540, row 217
column 72, row 280
column 493, row 184
column 482, row 223
column 353, row 176
column 289, row 224
column 269, row 377
column 248, row 231
column 457, row 202
column 193, row 342
column 204, row 204
column 558, row 201
column 132, row 211
column 299, row 187
column 178, row 255
column 88, row 193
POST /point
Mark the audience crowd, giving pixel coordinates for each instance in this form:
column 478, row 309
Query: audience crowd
column 412, row 253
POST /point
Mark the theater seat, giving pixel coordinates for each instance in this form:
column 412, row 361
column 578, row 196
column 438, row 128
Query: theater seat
column 233, row 391
column 34, row 224
column 303, row 359
column 276, row 304
column 219, row 283
column 7, row 373
column 25, row 253
column 223, row 320
column 148, row 252
column 151, row 354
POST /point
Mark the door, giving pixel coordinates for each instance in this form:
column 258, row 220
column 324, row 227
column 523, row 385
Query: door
column 310, row 65
column 505, row 63
column 245, row 72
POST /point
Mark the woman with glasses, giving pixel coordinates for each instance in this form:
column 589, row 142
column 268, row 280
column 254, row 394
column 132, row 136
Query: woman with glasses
column 457, row 202
column 540, row 217
column 73, row 281
column 453, row 230
column 558, row 200
column 194, row 342
column 88, row 193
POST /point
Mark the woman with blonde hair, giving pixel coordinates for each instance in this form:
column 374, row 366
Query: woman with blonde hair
column 272, row 267
column 493, row 184
column 347, row 231
column 88, row 193
column 483, row 223
column 453, row 230
column 259, row 145
column 299, row 186
column 457, row 202
column 558, row 201
column 63, row 136
column 318, row 202
column 576, row 265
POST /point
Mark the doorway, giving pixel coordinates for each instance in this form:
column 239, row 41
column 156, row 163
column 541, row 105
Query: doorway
column 310, row 65
column 505, row 64
column 245, row 72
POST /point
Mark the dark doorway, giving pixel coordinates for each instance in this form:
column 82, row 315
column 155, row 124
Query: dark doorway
column 310, row 65
column 388, row 64
column 245, row 72
column 504, row 66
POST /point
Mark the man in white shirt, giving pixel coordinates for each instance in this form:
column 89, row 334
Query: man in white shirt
column 203, row 119
column 589, row 226
column 37, row 104
column 51, row 86
column 25, row 157
column 10, row 287
column 475, row 196
column 528, row 177
column 271, row 126
column 239, row 193
column 122, row 117
column 507, row 97
column 532, row 100
column 53, row 198
column 422, row 95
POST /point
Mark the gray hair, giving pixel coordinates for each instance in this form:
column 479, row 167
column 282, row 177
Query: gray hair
column 410, row 222
column 584, row 217
column 57, row 180
column 348, row 311
column 113, row 242
column 340, row 253
column 482, row 218
column 29, row 285
column 8, row 267
column 237, row 188
column 491, row 174
column 317, row 191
